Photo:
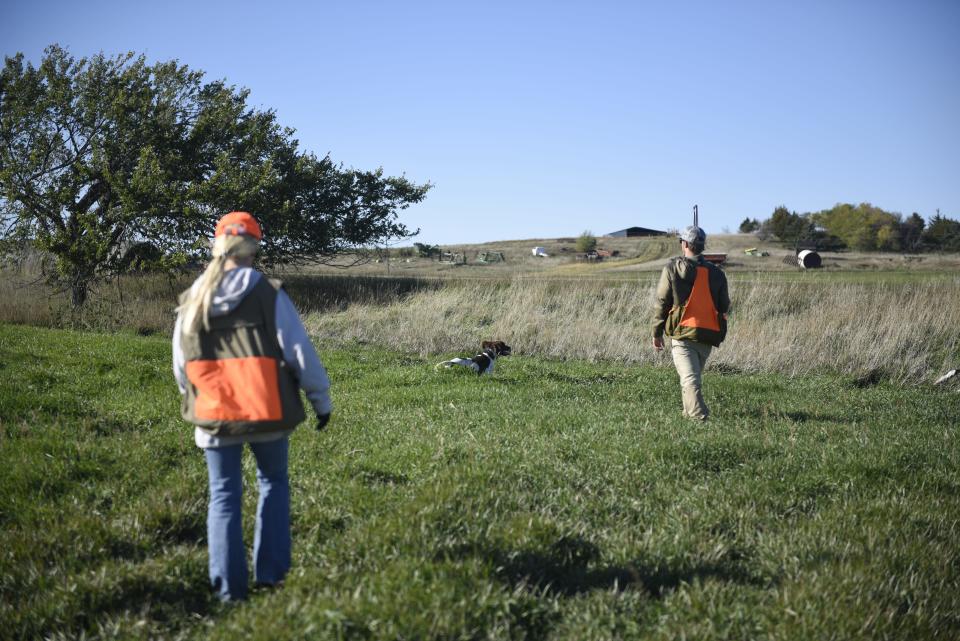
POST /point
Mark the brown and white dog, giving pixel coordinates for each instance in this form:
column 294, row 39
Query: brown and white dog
column 483, row 362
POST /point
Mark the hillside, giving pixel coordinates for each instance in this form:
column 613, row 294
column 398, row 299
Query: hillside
column 635, row 255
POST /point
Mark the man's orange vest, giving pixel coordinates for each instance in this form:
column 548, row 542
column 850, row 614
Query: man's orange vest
column 700, row 311
column 697, row 319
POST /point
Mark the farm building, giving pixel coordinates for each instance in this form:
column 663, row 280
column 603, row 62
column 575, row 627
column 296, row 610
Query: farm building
column 631, row 232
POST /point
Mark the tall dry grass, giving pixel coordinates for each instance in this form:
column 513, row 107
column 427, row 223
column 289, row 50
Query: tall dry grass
column 146, row 303
column 905, row 331
column 143, row 303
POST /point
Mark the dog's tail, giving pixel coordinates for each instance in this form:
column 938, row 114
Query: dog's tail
column 946, row 377
column 455, row 361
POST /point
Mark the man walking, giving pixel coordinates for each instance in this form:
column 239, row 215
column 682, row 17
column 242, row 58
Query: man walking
column 691, row 309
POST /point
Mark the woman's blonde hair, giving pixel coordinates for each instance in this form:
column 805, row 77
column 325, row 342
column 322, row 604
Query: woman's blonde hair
column 195, row 310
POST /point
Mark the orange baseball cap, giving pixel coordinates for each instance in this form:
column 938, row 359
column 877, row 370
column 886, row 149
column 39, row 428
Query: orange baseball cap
column 238, row 223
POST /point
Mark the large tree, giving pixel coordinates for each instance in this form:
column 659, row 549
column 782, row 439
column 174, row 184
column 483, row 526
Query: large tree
column 100, row 154
column 863, row 227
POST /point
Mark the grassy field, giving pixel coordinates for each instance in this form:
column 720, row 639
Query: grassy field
column 554, row 500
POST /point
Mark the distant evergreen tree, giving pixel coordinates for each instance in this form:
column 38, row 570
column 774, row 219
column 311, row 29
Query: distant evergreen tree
column 942, row 234
column 790, row 227
column 911, row 233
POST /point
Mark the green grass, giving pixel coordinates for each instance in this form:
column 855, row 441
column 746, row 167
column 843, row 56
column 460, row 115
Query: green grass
column 554, row 500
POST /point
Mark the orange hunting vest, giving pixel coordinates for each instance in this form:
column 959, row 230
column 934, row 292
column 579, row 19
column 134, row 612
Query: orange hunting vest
column 238, row 381
column 700, row 311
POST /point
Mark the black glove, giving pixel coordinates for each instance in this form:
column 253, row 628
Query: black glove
column 322, row 420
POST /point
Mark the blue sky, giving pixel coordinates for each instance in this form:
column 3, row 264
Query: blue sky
column 545, row 119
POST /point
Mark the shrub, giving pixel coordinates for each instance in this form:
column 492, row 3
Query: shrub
column 586, row 242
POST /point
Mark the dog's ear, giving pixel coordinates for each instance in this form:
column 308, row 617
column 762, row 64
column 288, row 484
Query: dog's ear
column 499, row 347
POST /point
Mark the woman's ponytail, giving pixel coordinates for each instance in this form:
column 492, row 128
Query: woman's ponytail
column 196, row 309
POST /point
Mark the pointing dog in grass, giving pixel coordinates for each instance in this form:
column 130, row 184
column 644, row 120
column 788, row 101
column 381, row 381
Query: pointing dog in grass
column 483, row 362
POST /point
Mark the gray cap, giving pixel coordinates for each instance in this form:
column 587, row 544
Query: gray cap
column 694, row 235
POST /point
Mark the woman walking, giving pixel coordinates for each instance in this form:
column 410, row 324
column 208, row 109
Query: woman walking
column 240, row 357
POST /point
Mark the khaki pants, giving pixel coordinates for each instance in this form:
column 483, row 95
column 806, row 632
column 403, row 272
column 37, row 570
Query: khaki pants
column 689, row 358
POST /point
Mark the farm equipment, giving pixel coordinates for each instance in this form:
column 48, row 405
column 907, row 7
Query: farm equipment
column 717, row 258
column 809, row 259
column 491, row 257
column 451, row 257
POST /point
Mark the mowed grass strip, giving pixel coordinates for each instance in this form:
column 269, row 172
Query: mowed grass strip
column 553, row 500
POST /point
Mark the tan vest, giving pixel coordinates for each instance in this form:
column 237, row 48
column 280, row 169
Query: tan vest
column 238, row 382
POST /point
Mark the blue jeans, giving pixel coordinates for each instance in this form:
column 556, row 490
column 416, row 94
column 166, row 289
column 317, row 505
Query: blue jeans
column 271, row 542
